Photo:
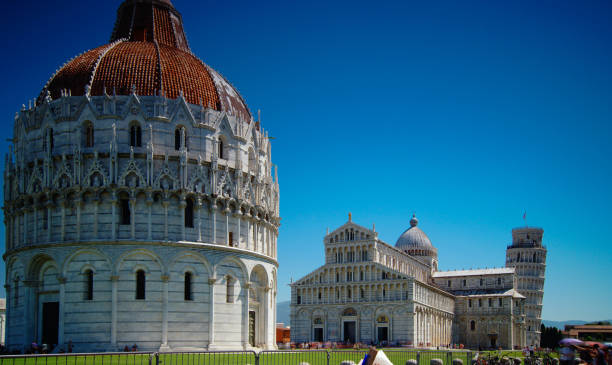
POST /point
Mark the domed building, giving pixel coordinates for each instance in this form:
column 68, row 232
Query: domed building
column 416, row 243
column 141, row 203
column 369, row 291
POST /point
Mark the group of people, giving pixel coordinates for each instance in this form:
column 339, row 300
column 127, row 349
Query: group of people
column 134, row 348
column 589, row 355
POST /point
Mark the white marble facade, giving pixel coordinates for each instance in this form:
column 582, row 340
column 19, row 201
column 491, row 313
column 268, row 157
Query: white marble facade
column 190, row 204
column 369, row 291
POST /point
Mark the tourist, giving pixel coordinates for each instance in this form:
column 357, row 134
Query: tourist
column 600, row 356
column 567, row 354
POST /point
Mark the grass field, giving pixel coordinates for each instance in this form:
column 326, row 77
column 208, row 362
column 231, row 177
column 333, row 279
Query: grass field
column 312, row 357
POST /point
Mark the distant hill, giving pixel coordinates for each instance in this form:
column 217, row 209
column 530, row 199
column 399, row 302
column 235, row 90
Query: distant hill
column 561, row 324
column 283, row 311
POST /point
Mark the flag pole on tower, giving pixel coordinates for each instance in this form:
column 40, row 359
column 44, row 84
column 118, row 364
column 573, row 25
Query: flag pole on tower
column 525, row 217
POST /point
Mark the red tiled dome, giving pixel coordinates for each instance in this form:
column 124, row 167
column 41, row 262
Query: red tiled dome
column 148, row 51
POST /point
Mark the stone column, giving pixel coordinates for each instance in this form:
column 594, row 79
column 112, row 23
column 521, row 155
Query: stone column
column 164, row 342
column 182, row 206
column 211, row 314
column 266, row 302
column 63, row 231
column 248, row 234
column 165, row 205
column 238, row 214
column 29, row 289
column 199, row 208
column 25, row 226
column 77, row 202
column 245, row 316
column 62, row 295
column 133, row 217
column 35, row 228
column 256, row 237
column 227, row 214
column 49, row 220
column 113, row 337
column 95, row 227
column 149, row 202
column 213, row 210
column 114, row 217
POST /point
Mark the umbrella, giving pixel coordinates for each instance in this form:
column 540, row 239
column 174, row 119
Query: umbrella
column 571, row 341
column 593, row 343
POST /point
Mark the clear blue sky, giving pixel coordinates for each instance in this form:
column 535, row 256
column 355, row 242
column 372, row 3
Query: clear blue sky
column 464, row 112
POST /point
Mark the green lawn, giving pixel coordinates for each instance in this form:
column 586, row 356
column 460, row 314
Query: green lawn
column 313, row 357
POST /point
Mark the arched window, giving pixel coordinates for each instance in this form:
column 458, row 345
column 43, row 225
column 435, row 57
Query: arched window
column 140, row 284
column 177, row 139
column 481, row 282
column 188, row 292
column 89, row 281
column 126, row 218
column 498, row 281
column 534, row 257
column 135, row 135
column 45, row 221
column 221, row 148
column 88, row 134
column 229, row 290
column 189, row 213
column 473, row 325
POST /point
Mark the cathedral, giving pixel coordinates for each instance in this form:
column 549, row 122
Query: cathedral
column 369, row 291
column 141, row 204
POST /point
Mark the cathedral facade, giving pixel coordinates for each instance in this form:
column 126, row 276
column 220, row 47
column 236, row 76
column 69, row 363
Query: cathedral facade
column 371, row 292
column 141, row 203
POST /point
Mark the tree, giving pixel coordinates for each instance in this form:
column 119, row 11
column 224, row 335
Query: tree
column 550, row 336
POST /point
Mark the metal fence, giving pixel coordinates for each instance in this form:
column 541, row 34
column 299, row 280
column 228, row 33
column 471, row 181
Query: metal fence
column 100, row 358
column 281, row 357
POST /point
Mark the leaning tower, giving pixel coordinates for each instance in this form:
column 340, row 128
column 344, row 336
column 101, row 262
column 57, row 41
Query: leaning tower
column 528, row 257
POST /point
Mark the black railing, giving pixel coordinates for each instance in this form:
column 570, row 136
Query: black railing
column 281, row 357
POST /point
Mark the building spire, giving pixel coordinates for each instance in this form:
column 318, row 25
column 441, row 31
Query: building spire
column 350, row 217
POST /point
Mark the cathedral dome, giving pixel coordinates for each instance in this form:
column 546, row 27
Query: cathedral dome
column 415, row 241
column 148, row 55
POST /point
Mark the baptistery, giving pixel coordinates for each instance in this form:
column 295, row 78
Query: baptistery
column 141, row 204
